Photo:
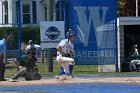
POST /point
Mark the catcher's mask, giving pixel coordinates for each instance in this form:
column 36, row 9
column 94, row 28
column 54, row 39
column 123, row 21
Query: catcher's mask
column 30, row 42
column 135, row 46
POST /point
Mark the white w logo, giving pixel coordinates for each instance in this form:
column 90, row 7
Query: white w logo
column 85, row 22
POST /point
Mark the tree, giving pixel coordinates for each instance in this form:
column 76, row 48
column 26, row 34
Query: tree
column 126, row 8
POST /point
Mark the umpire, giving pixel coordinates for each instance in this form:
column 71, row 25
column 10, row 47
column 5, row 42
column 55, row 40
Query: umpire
column 6, row 39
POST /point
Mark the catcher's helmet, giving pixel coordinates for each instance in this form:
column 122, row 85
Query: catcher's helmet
column 30, row 42
column 135, row 46
column 70, row 33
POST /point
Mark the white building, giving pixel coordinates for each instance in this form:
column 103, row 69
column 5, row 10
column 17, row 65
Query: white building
column 32, row 12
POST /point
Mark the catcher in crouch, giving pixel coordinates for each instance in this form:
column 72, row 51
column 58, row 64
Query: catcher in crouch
column 65, row 50
column 26, row 68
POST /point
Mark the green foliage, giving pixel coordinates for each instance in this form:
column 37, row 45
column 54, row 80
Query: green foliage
column 126, row 8
column 27, row 33
column 30, row 33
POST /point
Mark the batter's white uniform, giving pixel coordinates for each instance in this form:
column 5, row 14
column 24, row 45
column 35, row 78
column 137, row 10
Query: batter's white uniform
column 65, row 61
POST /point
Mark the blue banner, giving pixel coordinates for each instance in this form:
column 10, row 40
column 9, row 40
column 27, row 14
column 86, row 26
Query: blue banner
column 94, row 21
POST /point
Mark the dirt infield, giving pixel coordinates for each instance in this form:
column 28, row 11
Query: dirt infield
column 111, row 79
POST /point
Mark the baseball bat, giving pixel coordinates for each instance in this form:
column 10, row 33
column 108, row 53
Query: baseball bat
column 67, row 50
column 69, row 31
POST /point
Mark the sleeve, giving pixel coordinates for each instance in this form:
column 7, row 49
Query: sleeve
column 62, row 43
column 72, row 48
column 2, row 48
column 38, row 47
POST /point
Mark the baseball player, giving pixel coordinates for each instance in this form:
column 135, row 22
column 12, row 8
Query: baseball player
column 26, row 68
column 65, row 50
column 6, row 39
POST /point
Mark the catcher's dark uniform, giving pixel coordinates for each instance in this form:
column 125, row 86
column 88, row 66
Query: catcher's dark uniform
column 27, row 69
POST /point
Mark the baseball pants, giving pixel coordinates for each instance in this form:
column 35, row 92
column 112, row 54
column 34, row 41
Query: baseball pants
column 2, row 69
column 65, row 62
column 62, row 70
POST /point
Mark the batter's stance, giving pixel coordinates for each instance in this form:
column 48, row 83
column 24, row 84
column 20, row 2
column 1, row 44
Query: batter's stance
column 65, row 50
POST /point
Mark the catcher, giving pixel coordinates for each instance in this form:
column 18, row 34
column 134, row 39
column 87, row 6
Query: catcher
column 65, row 50
column 26, row 68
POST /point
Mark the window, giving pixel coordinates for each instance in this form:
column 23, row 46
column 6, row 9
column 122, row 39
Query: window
column 5, row 12
column 138, row 8
column 45, row 13
column 58, row 11
column 26, row 13
column 34, row 11
column 17, row 11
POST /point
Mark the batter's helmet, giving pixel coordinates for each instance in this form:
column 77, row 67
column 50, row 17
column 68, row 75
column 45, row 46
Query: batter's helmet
column 71, row 33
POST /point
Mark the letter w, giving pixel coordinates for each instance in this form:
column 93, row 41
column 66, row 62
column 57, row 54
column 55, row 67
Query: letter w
column 85, row 24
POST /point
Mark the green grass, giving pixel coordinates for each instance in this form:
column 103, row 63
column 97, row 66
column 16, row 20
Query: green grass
column 43, row 70
column 78, row 69
column 85, row 69
column 10, row 70
column 35, row 92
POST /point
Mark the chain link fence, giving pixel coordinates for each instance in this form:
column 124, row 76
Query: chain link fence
column 27, row 34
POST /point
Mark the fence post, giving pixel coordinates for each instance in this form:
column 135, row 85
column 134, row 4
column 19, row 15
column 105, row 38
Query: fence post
column 42, row 55
column 50, row 60
column 49, row 52
column 5, row 57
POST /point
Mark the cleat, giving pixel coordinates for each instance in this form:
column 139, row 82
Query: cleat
column 71, row 76
column 56, row 77
column 13, row 80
